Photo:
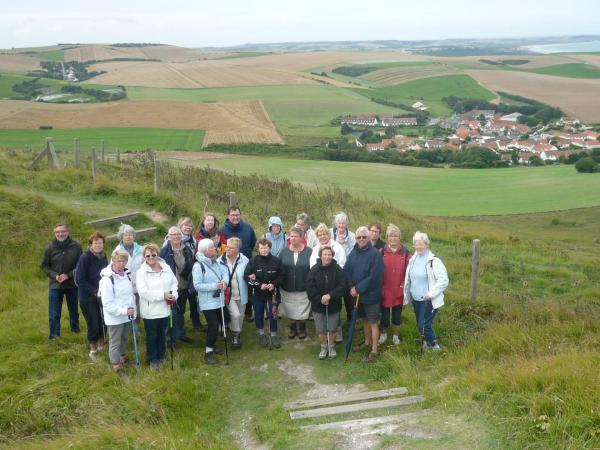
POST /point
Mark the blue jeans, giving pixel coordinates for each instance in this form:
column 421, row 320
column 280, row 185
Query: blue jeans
column 424, row 313
column 155, row 338
column 259, row 314
column 55, row 300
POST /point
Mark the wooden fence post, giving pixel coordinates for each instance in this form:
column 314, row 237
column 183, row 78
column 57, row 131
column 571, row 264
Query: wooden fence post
column 475, row 269
column 232, row 199
column 94, row 164
column 76, row 150
column 102, row 148
column 156, row 175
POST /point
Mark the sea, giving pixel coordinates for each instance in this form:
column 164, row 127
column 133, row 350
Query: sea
column 573, row 47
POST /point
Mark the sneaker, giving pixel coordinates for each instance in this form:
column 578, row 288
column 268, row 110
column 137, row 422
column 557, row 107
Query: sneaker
column 339, row 337
column 324, row 352
column 186, row 339
column 396, row 340
column 262, row 340
column 382, row 338
column 209, row 358
column 426, row 345
column 236, row 342
column 275, row 342
column 332, row 352
column 154, row 366
column 93, row 355
column 436, row 347
column 53, row 337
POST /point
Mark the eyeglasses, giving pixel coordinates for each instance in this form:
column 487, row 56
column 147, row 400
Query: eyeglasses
column 153, row 255
column 361, row 237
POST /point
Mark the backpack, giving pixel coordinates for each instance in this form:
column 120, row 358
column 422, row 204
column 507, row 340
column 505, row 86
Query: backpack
column 190, row 278
column 112, row 281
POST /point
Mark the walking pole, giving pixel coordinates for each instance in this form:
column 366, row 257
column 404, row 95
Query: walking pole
column 327, row 326
column 135, row 345
column 224, row 335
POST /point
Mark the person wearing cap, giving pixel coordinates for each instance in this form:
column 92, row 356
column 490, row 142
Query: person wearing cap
column 276, row 235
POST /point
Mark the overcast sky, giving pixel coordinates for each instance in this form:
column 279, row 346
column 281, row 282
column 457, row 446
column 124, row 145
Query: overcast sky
column 231, row 22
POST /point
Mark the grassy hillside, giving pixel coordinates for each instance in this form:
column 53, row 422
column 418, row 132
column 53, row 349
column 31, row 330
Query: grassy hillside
column 575, row 70
column 431, row 91
column 439, row 192
column 122, row 138
column 298, row 111
column 519, row 367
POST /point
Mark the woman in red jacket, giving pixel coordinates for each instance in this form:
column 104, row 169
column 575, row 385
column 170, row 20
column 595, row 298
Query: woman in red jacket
column 395, row 262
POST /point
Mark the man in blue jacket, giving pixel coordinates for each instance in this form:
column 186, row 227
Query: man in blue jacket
column 234, row 226
column 364, row 269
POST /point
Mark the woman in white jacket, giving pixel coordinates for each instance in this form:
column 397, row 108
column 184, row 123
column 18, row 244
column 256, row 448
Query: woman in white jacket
column 118, row 305
column 157, row 288
column 424, row 286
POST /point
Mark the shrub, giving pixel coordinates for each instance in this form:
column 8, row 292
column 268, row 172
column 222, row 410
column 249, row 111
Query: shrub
column 587, row 165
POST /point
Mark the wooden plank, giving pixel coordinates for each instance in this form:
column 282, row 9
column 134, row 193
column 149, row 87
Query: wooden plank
column 107, row 220
column 138, row 233
column 369, row 422
column 356, row 397
column 356, row 407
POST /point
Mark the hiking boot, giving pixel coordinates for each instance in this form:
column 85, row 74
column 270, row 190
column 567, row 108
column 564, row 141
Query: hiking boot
column 209, row 358
column 396, row 340
column 383, row 338
column 302, row 330
column 275, row 342
column 236, row 342
column 339, row 337
column 293, row 330
column 332, row 352
column 262, row 340
column 324, row 351
column 186, row 339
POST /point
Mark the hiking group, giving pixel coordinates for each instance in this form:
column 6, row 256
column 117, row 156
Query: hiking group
column 300, row 274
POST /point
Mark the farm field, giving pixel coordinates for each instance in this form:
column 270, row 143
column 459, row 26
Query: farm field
column 419, row 191
column 574, row 96
column 296, row 110
column 575, row 70
column 18, row 63
column 223, row 122
column 393, row 74
column 122, row 138
column 430, row 91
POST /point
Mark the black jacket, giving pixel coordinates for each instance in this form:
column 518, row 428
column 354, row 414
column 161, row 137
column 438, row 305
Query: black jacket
column 88, row 274
column 323, row 280
column 294, row 276
column 61, row 257
column 166, row 253
column 267, row 269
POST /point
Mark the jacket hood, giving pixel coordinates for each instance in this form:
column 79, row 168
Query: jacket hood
column 275, row 220
column 364, row 249
column 162, row 262
column 107, row 271
column 228, row 224
column 331, row 265
column 200, row 257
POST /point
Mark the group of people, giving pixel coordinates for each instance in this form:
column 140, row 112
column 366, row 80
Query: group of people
column 301, row 274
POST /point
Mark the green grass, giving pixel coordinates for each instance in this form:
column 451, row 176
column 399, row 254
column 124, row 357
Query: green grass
column 7, row 81
column 575, row 70
column 122, row 138
column 296, row 110
column 431, row 91
column 53, row 55
column 519, row 367
column 438, row 192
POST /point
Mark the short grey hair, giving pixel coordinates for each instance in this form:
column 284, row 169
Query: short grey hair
column 420, row 236
column 362, row 230
column 125, row 229
column 305, row 218
column 341, row 217
column 204, row 245
column 296, row 230
column 175, row 229
column 119, row 255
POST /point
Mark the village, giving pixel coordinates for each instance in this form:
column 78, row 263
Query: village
column 512, row 141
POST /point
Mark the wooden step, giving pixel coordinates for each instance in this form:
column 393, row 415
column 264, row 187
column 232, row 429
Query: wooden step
column 371, row 421
column 107, row 220
column 360, row 396
column 356, row 407
column 138, row 233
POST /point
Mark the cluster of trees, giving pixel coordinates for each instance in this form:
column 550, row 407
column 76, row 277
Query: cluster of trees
column 533, row 111
column 54, row 70
column 588, row 163
column 505, row 62
column 99, row 95
column 28, row 89
column 353, row 71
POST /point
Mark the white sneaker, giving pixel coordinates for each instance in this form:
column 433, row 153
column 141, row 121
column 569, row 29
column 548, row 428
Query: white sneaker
column 339, row 337
column 323, row 352
column 332, row 352
column 396, row 340
column 93, row 355
column 436, row 347
column 382, row 338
